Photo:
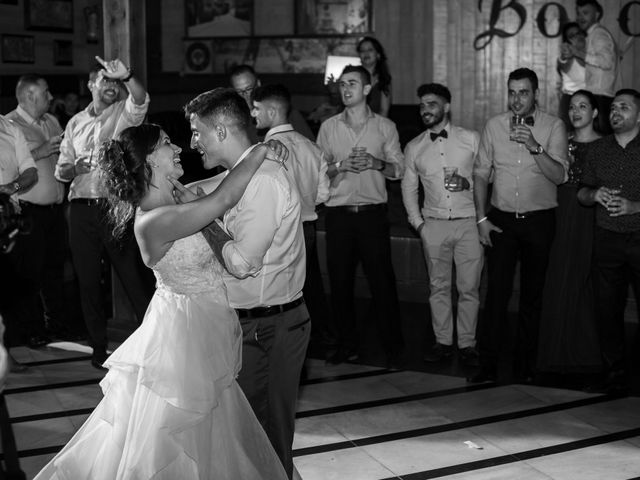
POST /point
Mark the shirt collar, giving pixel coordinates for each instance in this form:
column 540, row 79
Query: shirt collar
column 25, row 116
column 244, row 154
column 342, row 115
column 285, row 127
column 447, row 127
column 592, row 27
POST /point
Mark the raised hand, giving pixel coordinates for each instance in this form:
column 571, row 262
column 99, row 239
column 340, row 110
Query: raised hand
column 114, row 69
column 182, row 194
column 277, row 152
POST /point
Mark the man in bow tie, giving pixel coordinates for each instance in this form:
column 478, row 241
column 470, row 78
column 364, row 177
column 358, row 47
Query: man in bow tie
column 526, row 161
column 363, row 150
column 441, row 158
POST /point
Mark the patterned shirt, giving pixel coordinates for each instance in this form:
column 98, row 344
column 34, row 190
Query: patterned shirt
column 608, row 164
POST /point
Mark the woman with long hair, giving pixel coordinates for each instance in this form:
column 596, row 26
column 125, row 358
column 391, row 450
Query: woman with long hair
column 172, row 407
column 568, row 337
column 373, row 58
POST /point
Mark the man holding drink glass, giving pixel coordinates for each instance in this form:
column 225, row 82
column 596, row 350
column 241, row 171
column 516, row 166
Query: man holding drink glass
column 525, row 150
column 441, row 158
column 363, row 150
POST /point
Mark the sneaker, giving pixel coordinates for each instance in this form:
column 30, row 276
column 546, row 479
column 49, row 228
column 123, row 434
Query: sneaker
column 438, row 352
column 469, row 356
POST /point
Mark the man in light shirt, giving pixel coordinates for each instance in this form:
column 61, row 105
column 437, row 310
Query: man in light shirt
column 441, row 158
column 307, row 170
column 363, row 151
column 44, row 247
column 89, row 235
column 18, row 173
column 525, row 150
column 262, row 250
column 600, row 57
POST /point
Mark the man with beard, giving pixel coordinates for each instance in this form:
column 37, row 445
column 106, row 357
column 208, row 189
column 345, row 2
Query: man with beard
column 363, row 150
column 441, row 158
column 41, row 253
column 612, row 182
column 89, row 235
column 525, row 150
column 262, row 250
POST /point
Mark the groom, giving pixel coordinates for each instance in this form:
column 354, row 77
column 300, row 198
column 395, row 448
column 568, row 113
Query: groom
column 262, row 250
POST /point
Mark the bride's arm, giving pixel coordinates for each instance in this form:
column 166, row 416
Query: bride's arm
column 164, row 225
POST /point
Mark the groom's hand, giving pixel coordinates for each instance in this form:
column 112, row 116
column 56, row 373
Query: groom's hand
column 182, row 194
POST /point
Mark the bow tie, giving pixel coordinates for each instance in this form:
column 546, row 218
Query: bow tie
column 528, row 121
column 434, row 136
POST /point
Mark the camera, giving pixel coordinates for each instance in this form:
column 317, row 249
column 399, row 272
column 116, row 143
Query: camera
column 11, row 223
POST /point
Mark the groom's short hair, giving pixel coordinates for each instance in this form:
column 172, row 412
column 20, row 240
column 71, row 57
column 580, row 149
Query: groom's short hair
column 220, row 105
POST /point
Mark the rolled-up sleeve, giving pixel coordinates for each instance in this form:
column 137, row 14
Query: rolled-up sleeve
column 484, row 159
column 392, row 150
column 23, row 154
column 255, row 226
column 323, row 181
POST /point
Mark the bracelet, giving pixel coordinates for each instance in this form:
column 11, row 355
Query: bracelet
column 481, row 220
column 337, row 164
column 128, row 77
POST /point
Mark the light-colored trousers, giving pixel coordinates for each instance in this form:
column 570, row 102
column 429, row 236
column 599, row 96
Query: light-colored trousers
column 446, row 242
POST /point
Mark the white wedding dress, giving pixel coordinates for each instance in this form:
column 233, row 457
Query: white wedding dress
column 172, row 408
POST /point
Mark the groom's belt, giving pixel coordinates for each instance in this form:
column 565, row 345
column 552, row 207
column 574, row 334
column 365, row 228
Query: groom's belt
column 268, row 311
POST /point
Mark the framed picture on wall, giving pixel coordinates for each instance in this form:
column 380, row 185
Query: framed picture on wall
column 219, row 18
column 266, row 54
column 333, row 17
column 49, row 15
column 62, row 52
column 18, row 49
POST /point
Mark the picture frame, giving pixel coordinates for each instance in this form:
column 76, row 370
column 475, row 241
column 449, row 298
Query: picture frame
column 63, row 52
column 219, row 18
column 18, row 49
column 266, row 54
column 333, row 17
column 49, row 15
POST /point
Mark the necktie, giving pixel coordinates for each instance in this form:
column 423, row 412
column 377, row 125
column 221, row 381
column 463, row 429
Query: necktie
column 442, row 133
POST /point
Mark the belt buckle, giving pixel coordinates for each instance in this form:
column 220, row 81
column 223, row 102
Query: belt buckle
column 521, row 215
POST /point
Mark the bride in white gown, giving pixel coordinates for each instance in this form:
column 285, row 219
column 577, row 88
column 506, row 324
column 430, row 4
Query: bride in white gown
column 172, row 408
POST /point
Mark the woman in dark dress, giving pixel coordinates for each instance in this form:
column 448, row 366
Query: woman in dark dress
column 374, row 59
column 568, row 337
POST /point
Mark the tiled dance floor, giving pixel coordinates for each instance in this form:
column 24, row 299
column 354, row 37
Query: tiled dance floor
column 365, row 422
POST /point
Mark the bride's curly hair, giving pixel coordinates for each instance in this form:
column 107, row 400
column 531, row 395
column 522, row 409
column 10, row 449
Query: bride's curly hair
column 126, row 174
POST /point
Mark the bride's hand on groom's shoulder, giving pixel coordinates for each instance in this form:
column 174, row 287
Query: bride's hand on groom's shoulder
column 182, row 194
column 277, row 152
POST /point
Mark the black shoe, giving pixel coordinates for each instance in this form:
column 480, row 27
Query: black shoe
column 438, row 352
column 98, row 364
column 484, row 375
column 469, row 356
column 343, row 355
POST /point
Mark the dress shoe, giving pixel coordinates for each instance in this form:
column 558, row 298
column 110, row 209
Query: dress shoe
column 438, row 352
column 484, row 375
column 469, row 356
column 343, row 355
column 98, row 365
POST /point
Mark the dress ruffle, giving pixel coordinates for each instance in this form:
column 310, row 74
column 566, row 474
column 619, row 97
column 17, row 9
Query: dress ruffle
column 172, row 408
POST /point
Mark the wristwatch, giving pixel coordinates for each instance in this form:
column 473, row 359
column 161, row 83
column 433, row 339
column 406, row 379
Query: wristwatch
column 537, row 151
column 16, row 187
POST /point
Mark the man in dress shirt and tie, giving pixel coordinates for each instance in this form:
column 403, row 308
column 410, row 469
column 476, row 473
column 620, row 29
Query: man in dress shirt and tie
column 527, row 159
column 441, row 158
column 307, row 169
column 44, row 247
column 262, row 250
column 363, row 150
column 89, row 234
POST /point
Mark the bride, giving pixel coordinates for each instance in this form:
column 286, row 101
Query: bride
column 172, row 408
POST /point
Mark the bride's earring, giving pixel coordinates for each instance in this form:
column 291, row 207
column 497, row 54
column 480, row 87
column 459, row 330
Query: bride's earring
column 153, row 164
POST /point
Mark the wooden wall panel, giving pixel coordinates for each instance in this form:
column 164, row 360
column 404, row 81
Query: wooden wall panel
column 477, row 78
